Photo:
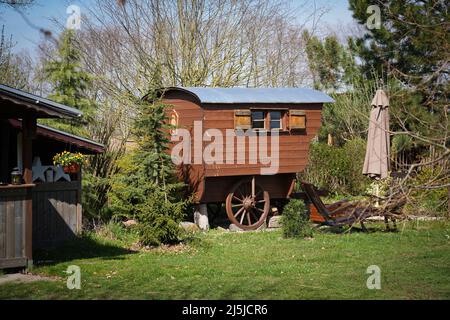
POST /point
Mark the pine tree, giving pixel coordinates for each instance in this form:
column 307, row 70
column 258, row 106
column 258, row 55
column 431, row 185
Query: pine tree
column 331, row 63
column 411, row 47
column 412, row 42
column 146, row 187
column 70, row 82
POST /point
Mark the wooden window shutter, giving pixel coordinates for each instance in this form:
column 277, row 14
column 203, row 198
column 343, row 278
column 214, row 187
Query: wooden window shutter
column 243, row 119
column 297, row 120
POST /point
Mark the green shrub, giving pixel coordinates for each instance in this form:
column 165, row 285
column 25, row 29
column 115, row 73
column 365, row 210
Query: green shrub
column 295, row 220
column 162, row 229
column 159, row 219
column 337, row 169
column 428, row 201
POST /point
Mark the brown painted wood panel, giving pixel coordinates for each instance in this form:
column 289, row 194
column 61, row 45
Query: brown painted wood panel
column 225, row 115
column 225, row 124
column 293, row 146
column 254, row 170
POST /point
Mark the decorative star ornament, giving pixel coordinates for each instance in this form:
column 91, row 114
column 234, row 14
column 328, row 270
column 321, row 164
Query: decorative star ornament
column 60, row 174
column 38, row 170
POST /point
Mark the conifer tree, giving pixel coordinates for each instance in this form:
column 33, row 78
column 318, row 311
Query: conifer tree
column 70, row 82
column 331, row 63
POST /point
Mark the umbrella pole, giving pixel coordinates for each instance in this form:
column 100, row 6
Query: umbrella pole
column 377, row 193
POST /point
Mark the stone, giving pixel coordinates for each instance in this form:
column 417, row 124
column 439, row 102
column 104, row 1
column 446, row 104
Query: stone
column 189, row 227
column 275, row 222
column 201, row 217
column 234, row 228
column 222, row 229
column 129, row 223
column 262, row 227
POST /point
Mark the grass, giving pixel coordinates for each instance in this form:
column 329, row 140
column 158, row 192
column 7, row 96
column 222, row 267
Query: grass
column 414, row 262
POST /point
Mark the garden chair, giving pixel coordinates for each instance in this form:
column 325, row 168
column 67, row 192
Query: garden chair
column 339, row 213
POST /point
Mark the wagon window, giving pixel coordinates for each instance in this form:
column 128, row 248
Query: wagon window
column 242, row 119
column 275, row 120
column 297, row 120
column 258, row 119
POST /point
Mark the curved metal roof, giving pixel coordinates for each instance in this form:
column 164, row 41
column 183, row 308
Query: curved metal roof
column 256, row 95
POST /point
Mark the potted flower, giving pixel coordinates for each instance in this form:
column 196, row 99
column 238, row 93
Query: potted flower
column 71, row 162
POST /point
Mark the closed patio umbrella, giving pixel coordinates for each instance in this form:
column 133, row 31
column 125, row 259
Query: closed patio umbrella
column 376, row 162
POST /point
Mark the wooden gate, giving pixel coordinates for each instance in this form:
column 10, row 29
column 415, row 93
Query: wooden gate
column 15, row 233
column 56, row 213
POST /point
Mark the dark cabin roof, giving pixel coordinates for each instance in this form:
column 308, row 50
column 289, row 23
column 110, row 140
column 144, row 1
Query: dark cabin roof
column 254, row 95
column 17, row 103
column 84, row 145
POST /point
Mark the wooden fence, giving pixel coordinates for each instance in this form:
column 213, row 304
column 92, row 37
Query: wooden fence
column 56, row 213
column 15, row 233
column 37, row 216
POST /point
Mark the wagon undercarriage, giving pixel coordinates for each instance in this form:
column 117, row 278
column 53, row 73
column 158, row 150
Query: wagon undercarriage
column 247, row 200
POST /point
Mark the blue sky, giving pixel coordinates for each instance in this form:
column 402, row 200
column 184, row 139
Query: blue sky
column 41, row 13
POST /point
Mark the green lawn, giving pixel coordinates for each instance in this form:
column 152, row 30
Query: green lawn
column 414, row 262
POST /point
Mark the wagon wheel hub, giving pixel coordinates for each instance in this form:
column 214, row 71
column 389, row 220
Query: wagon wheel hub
column 248, row 203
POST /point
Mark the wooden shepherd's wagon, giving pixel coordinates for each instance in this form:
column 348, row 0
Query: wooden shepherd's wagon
column 247, row 186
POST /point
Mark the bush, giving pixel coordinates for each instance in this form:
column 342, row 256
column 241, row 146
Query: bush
column 432, row 202
column 159, row 219
column 338, row 169
column 162, row 229
column 295, row 220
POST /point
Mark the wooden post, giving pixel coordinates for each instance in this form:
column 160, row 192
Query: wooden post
column 4, row 161
column 79, row 206
column 28, row 133
column 29, row 227
column 330, row 140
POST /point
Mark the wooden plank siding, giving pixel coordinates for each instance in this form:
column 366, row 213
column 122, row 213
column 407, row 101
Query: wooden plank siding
column 203, row 178
column 56, row 213
column 13, row 226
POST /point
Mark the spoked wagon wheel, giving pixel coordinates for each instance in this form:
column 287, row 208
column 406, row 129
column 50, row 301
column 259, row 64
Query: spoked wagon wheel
column 248, row 205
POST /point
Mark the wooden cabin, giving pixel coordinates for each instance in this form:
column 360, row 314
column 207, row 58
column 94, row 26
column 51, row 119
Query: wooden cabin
column 291, row 115
column 45, row 210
